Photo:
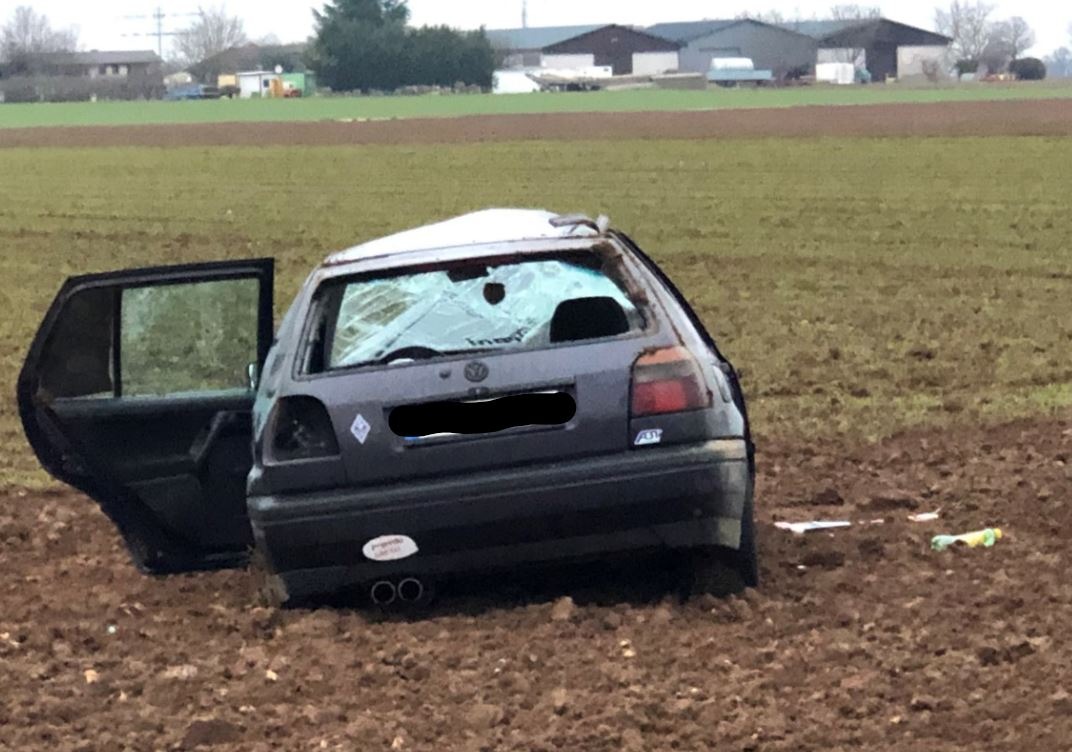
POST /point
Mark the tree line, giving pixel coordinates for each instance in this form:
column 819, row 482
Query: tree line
column 358, row 45
column 362, row 45
column 982, row 44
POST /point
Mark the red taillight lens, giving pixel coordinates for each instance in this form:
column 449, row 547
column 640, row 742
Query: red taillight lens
column 301, row 429
column 668, row 381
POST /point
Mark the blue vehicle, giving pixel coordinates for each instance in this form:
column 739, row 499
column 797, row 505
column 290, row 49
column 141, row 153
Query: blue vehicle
column 191, row 91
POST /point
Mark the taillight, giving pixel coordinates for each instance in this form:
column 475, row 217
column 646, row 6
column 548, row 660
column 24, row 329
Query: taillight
column 668, row 381
column 300, row 429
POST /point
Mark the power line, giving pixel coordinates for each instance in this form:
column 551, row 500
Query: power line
column 158, row 17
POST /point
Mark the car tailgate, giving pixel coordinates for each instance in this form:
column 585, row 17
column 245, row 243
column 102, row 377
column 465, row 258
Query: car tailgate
column 593, row 375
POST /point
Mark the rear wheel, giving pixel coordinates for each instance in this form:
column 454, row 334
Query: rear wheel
column 720, row 571
column 266, row 586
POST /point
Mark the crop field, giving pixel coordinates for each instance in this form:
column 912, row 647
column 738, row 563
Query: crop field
column 864, row 286
column 901, row 310
column 380, row 107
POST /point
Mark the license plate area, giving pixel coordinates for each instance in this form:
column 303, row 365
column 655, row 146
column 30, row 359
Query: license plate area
column 438, row 421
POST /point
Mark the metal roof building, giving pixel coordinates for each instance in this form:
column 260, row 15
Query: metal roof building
column 887, row 49
column 770, row 47
column 625, row 50
column 524, row 47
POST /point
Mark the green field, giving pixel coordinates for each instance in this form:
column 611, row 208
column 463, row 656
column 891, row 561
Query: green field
column 343, row 108
column 862, row 286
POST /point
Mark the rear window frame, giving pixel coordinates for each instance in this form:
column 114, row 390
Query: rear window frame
column 632, row 286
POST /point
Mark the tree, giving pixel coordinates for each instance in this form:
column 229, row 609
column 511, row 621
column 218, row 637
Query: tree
column 30, row 33
column 213, row 32
column 1028, row 69
column 855, row 12
column 771, row 17
column 369, row 14
column 1059, row 64
column 969, row 26
column 365, row 45
column 1015, row 36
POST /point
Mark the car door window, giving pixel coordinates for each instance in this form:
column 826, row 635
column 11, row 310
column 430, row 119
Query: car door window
column 155, row 340
column 184, row 338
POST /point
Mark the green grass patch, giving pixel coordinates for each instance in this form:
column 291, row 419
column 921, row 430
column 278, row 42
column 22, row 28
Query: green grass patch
column 863, row 286
column 347, row 108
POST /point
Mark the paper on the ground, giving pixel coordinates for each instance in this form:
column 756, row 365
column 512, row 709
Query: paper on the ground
column 926, row 517
column 803, row 527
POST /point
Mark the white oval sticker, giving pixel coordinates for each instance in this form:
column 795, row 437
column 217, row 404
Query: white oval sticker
column 390, row 548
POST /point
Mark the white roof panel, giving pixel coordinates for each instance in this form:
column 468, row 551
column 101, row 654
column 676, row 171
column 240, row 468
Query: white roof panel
column 478, row 228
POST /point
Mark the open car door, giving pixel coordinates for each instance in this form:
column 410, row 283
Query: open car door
column 138, row 391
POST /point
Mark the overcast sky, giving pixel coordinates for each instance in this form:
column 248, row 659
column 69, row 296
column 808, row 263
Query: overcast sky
column 103, row 25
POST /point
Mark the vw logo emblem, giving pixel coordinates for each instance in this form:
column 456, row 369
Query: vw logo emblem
column 476, row 371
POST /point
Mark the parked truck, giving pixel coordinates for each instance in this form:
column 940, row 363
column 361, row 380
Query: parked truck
column 734, row 71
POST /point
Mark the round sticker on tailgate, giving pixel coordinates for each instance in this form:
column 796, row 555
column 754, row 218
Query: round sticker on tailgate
column 390, row 548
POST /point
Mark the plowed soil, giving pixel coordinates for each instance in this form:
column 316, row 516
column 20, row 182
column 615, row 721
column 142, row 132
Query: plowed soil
column 860, row 638
column 1007, row 118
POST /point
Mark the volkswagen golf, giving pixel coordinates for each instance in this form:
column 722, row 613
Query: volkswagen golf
column 503, row 389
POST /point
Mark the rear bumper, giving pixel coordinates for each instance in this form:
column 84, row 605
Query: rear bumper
column 670, row 497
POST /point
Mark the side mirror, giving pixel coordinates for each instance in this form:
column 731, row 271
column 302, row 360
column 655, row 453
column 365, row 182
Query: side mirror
column 253, row 375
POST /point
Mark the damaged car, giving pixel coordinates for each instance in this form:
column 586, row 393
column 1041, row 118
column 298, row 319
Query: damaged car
column 503, row 389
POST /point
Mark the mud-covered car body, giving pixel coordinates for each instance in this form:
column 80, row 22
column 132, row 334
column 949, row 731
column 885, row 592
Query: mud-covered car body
column 506, row 388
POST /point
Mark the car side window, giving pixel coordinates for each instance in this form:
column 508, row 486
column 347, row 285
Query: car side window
column 187, row 337
column 153, row 340
column 77, row 360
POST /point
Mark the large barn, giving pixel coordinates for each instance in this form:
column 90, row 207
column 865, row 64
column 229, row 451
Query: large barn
column 626, row 51
column 623, row 49
column 886, row 49
column 770, row 47
column 523, row 48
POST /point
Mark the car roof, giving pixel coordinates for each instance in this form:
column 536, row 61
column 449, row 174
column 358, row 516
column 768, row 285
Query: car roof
column 477, row 231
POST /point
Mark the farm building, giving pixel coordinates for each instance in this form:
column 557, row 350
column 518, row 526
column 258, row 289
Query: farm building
column 250, row 57
column 132, row 64
column 626, row 51
column 523, row 48
column 886, row 49
column 770, row 47
column 74, row 76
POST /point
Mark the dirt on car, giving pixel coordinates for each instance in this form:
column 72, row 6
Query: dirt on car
column 1052, row 117
column 861, row 637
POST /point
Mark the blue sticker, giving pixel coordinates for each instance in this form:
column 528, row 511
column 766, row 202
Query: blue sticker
column 650, row 437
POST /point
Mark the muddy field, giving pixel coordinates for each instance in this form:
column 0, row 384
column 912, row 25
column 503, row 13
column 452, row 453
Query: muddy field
column 944, row 289
column 1007, row 118
column 863, row 638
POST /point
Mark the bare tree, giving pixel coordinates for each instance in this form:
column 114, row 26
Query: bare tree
column 969, row 26
column 855, row 12
column 213, row 32
column 996, row 55
column 1059, row 64
column 30, row 33
column 1016, row 35
column 771, row 16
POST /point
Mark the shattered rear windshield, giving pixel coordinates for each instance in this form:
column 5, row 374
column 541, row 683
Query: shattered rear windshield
column 467, row 308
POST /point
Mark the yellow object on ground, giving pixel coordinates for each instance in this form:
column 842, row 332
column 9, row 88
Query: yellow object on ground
column 985, row 538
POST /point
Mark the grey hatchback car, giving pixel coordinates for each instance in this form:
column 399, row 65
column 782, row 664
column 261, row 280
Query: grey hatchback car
column 506, row 388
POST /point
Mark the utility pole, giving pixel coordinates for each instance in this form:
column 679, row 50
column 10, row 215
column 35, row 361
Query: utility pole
column 158, row 17
column 524, row 14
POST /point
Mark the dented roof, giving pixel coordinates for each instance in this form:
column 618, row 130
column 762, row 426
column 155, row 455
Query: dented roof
column 487, row 227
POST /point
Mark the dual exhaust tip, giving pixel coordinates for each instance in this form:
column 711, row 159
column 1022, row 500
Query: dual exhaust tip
column 385, row 592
